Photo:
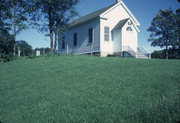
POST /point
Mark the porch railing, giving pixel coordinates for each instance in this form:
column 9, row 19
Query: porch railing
column 143, row 51
column 84, row 50
column 129, row 50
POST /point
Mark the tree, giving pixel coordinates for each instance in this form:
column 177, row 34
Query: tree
column 4, row 15
column 173, row 54
column 162, row 30
column 19, row 14
column 14, row 14
column 6, row 42
column 25, row 48
column 177, row 30
column 158, row 54
column 6, row 39
column 55, row 13
column 63, row 17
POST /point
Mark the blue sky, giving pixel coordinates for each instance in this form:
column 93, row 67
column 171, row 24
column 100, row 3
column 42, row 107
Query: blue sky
column 143, row 10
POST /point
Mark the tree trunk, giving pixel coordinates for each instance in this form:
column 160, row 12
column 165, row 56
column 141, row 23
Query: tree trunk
column 51, row 40
column 56, row 39
column 51, row 29
column 167, row 53
column 14, row 27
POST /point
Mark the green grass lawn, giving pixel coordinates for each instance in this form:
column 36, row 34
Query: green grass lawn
column 89, row 89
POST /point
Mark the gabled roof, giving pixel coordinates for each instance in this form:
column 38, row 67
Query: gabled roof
column 100, row 13
column 90, row 16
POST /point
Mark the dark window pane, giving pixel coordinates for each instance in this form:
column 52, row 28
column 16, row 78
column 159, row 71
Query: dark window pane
column 90, row 35
column 63, row 42
column 75, row 39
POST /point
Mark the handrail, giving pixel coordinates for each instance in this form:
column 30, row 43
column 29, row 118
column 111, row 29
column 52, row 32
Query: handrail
column 130, row 50
column 143, row 51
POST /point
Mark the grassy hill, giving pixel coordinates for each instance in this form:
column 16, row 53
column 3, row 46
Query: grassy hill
column 89, row 89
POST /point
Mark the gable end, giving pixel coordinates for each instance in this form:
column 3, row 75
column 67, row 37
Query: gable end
column 125, row 8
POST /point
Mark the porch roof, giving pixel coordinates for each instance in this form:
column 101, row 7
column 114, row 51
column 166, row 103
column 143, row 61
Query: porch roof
column 120, row 24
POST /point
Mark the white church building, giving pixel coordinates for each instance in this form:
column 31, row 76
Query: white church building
column 111, row 30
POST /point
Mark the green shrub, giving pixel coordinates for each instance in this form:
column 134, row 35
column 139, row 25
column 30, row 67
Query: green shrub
column 54, row 55
column 8, row 57
column 31, row 56
column 111, row 55
column 158, row 54
column 1, row 60
column 172, row 54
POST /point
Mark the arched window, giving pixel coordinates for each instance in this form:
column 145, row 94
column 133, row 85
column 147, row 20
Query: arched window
column 129, row 28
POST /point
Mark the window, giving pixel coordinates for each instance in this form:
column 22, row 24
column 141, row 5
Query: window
column 75, row 39
column 129, row 28
column 63, row 45
column 106, row 33
column 63, row 42
column 90, row 35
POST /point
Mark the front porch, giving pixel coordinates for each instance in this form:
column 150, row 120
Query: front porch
column 129, row 52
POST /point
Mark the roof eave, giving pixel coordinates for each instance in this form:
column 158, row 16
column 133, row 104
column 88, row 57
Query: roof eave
column 85, row 22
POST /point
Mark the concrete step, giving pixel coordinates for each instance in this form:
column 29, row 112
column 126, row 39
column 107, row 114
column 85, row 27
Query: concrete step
column 140, row 55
